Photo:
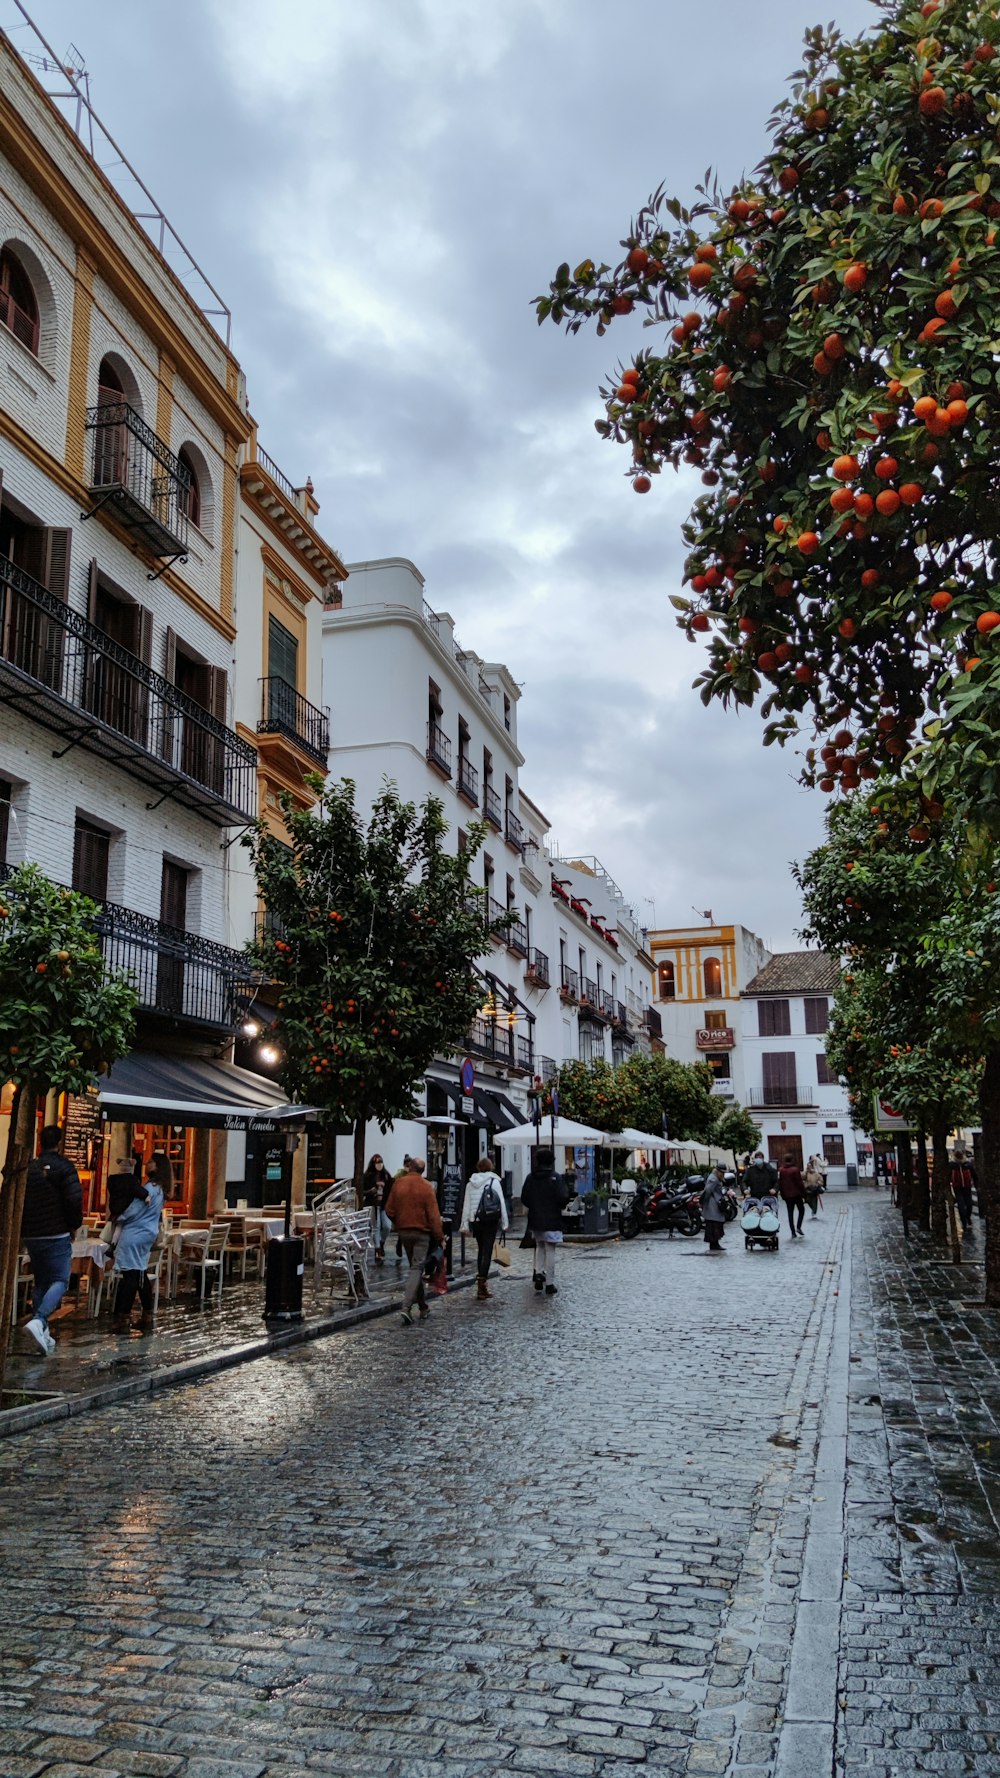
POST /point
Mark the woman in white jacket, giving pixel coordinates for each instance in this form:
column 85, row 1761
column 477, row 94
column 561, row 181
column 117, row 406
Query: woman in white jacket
column 483, row 1214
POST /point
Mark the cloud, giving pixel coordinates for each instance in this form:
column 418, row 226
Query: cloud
column 379, row 191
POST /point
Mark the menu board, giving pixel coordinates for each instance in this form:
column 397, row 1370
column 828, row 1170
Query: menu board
column 81, row 1140
column 451, row 1196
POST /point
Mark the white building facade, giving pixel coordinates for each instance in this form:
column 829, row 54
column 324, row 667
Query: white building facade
column 791, row 1091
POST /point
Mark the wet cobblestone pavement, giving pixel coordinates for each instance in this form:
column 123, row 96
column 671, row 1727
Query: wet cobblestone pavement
column 588, row 1536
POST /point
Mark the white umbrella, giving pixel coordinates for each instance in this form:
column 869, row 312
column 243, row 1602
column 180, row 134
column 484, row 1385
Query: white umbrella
column 640, row 1139
column 564, row 1133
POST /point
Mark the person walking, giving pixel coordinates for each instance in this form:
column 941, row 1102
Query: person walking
column 713, row 1202
column 53, row 1211
column 412, row 1207
column 483, row 1214
column 814, row 1180
column 377, row 1184
column 792, row 1188
column 135, row 1232
column 761, row 1177
column 545, row 1196
column 963, row 1179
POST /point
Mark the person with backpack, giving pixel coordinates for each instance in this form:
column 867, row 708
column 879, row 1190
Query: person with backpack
column 963, row 1180
column 483, row 1214
column 53, row 1211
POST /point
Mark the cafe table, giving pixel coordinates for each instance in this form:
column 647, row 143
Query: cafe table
column 89, row 1257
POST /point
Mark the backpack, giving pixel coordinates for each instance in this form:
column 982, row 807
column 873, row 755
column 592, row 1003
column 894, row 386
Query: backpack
column 489, row 1203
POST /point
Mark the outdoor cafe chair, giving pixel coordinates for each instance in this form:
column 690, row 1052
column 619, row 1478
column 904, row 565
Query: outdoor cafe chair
column 245, row 1246
column 342, row 1240
column 205, row 1254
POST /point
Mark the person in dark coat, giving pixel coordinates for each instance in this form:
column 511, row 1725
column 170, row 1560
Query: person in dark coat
column 963, row 1179
column 53, row 1211
column 761, row 1178
column 376, row 1185
column 713, row 1200
column 123, row 1189
column 793, row 1189
column 545, row 1196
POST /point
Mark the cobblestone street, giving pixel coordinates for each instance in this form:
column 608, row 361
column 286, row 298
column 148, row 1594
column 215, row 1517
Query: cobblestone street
column 579, row 1536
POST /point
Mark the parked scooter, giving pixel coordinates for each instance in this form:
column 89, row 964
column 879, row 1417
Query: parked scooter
column 651, row 1208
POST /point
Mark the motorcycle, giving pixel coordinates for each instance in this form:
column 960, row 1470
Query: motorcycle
column 651, row 1208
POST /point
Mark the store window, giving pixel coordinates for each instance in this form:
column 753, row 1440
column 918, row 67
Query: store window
column 833, row 1151
column 665, row 979
column 721, row 1065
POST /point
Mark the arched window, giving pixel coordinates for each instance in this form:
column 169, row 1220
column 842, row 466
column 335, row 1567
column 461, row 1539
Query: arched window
column 713, row 978
column 190, row 500
column 665, row 976
column 18, row 307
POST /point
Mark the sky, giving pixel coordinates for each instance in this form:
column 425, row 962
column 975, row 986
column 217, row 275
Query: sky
column 378, row 191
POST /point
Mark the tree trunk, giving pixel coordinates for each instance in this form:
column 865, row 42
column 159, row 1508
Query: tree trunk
column 359, row 1159
column 904, row 1162
column 940, row 1223
column 989, row 1178
column 20, row 1146
column 922, row 1187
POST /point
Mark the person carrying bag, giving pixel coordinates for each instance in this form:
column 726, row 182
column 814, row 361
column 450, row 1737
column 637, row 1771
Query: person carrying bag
column 484, row 1213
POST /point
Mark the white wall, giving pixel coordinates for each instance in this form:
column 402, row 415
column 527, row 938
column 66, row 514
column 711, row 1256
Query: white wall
column 826, row 1115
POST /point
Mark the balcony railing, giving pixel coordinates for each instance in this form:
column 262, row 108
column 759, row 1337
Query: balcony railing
column 547, row 1067
column 526, row 1054
column 133, row 472
column 177, row 975
column 654, row 1023
column 513, row 831
column 284, row 711
column 439, row 748
column 538, row 968
column 468, row 780
column 277, row 475
column 620, row 1013
column 496, row 910
column 23, row 326
column 607, row 1003
column 594, row 1000
column 569, row 983
column 492, row 1038
column 66, row 674
column 791, row 1096
column 491, row 808
column 517, row 938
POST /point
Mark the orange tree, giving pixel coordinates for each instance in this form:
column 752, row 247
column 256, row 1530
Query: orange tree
column 638, row 1094
column 63, row 1020
column 371, row 936
column 827, row 360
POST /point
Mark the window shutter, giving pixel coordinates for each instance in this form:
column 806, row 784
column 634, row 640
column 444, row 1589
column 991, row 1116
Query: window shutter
column 144, row 642
column 779, row 1077
column 92, row 590
column 170, row 656
column 218, row 693
column 55, row 562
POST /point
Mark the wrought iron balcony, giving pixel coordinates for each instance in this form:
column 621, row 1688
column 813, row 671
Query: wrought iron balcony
column 593, row 1000
column 517, row 938
column 547, row 1067
column 569, row 983
column 133, row 472
column 620, row 1014
column 608, row 1006
column 790, row 1097
column 493, row 1038
column 67, row 675
column 439, row 748
column 491, row 808
column 526, row 1054
column 468, row 780
column 285, row 712
column 653, row 1022
column 178, row 976
column 497, row 910
column 537, row 970
column 513, row 831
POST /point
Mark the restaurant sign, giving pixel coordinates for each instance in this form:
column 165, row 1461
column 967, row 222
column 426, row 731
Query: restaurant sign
column 722, row 1039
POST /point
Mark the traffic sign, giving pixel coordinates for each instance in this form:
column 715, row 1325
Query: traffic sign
column 468, row 1107
column 467, row 1076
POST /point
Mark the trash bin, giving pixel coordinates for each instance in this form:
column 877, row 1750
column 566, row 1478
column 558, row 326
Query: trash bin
column 852, row 1177
column 283, row 1282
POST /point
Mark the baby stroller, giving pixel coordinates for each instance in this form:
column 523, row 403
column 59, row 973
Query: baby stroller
column 760, row 1223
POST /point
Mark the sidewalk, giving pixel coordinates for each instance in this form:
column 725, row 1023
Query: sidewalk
column 92, row 1366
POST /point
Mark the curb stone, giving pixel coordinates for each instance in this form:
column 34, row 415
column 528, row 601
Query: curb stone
column 190, row 1370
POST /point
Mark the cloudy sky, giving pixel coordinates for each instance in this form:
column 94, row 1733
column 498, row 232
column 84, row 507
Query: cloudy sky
column 378, row 190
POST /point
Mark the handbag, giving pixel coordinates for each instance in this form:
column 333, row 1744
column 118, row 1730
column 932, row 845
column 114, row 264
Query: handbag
column 501, row 1253
column 107, row 1232
column 439, row 1282
column 527, row 1239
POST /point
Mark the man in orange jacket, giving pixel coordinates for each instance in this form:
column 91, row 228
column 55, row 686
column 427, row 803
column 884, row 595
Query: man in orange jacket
column 413, row 1209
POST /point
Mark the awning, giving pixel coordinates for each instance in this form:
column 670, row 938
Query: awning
column 195, row 1092
column 489, row 1107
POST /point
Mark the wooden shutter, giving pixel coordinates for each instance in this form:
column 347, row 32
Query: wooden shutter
column 170, row 656
column 218, row 693
column 817, row 1016
column 144, row 641
column 779, row 1077
column 92, row 590
column 55, row 562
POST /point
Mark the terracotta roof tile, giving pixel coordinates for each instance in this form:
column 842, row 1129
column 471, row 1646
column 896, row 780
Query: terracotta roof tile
column 797, row 972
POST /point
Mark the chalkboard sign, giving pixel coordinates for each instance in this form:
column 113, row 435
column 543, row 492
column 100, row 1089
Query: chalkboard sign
column 83, row 1128
column 452, row 1194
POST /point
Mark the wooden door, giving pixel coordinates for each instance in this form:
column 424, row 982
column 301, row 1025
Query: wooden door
column 783, row 1148
column 170, row 957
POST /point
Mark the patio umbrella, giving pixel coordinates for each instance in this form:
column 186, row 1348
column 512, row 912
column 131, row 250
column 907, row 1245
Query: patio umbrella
column 640, row 1139
column 560, row 1131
